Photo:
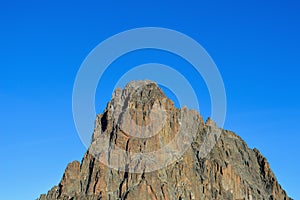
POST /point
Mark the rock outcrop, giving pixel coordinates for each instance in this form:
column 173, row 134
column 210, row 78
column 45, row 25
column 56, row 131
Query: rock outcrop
column 133, row 155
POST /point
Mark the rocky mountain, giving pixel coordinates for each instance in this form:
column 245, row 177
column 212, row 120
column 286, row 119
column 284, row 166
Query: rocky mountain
column 143, row 147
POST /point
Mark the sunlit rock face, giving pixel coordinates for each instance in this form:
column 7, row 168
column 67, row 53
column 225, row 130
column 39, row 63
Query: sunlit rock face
column 145, row 148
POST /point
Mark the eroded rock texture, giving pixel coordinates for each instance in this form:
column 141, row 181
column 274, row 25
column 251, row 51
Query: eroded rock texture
column 216, row 164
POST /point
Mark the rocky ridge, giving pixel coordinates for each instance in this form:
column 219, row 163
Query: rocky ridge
column 139, row 120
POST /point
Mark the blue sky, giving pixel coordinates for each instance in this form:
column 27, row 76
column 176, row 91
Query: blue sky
column 43, row 43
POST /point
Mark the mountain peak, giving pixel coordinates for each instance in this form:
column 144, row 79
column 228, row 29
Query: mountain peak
column 141, row 91
column 145, row 148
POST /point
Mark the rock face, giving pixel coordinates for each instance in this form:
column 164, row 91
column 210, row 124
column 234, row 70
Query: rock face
column 203, row 162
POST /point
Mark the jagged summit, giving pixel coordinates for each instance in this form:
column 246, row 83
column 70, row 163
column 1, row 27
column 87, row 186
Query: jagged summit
column 139, row 93
column 145, row 148
column 145, row 85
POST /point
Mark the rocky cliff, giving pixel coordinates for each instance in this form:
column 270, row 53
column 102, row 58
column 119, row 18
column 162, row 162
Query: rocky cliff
column 145, row 148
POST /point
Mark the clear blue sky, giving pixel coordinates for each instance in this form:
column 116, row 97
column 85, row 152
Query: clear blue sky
column 255, row 45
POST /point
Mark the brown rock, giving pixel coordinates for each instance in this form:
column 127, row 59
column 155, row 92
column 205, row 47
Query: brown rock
column 140, row 120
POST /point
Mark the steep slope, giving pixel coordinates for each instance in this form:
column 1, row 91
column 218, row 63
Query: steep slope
column 140, row 120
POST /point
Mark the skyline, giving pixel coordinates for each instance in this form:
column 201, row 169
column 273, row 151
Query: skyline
column 254, row 45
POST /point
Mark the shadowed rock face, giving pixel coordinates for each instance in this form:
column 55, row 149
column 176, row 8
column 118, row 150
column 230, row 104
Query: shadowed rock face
column 140, row 120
